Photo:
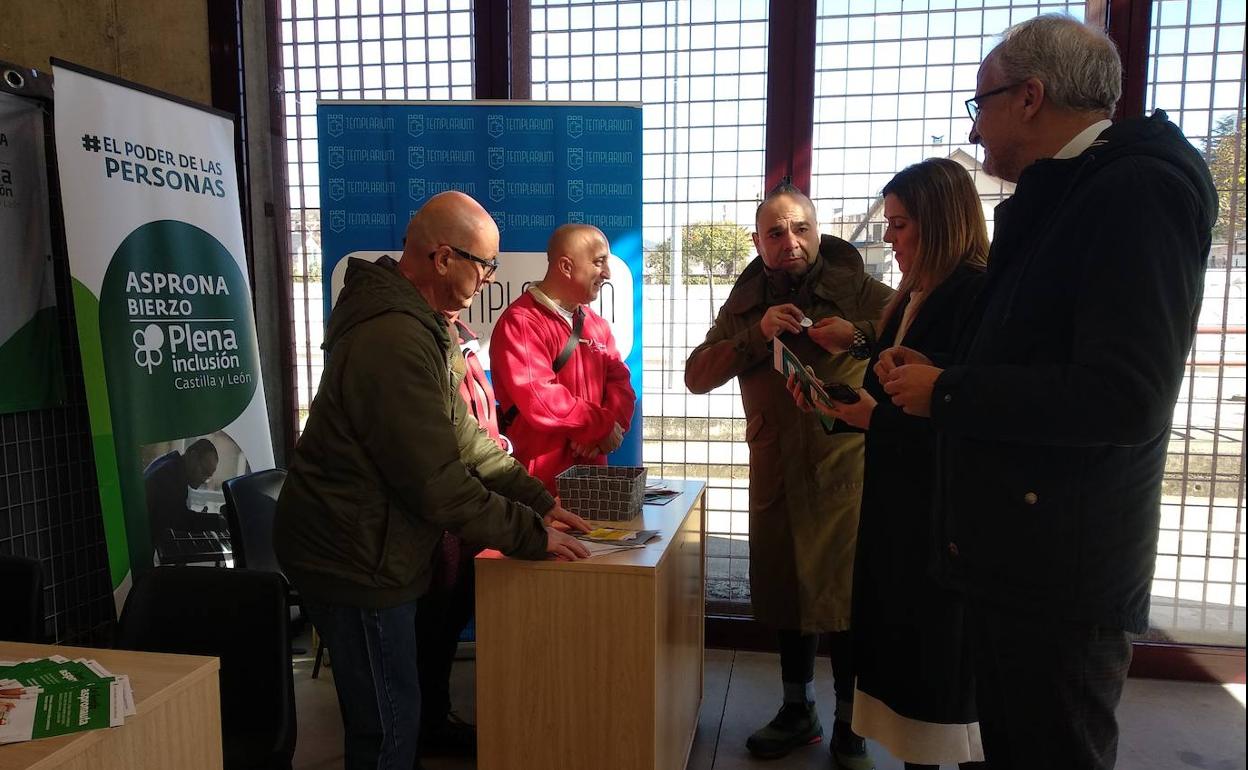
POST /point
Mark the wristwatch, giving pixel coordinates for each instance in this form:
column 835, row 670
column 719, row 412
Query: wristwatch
column 861, row 349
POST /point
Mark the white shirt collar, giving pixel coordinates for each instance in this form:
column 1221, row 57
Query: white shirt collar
column 1083, row 140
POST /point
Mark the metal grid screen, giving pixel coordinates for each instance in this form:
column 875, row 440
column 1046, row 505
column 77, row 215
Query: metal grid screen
column 354, row 49
column 889, row 91
column 699, row 68
column 894, row 95
column 1196, row 74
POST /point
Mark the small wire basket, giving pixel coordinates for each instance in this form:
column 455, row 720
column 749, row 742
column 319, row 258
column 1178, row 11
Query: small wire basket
column 603, row 492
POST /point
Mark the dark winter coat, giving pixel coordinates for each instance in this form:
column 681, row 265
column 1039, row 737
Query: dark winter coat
column 1055, row 421
column 908, row 640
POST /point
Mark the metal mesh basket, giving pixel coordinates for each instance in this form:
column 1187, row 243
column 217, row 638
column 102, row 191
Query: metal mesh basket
column 603, row 492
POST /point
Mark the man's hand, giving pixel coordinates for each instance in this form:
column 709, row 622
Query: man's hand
column 911, row 386
column 563, row 546
column 612, row 440
column 781, row 318
column 834, row 334
column 898, row 356
column 583, row 451
column 564, row 516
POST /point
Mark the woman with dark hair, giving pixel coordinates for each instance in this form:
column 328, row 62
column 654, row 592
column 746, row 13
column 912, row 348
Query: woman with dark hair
column 914, row 692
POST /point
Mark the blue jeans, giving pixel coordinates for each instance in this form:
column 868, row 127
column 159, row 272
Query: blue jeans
column 374, row 667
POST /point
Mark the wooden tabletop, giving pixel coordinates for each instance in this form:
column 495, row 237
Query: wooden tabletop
column 664, row 518
column 155, row 677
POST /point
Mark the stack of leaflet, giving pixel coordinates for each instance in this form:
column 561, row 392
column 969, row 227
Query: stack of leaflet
column 658, row 493
column 45, row 697
column 604, row 540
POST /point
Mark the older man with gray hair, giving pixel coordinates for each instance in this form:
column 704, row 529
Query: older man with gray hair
column 1054, row 412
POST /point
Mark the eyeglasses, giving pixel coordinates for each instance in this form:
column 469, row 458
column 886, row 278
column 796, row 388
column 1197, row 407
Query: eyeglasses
column 490, row 265
column 972, row 104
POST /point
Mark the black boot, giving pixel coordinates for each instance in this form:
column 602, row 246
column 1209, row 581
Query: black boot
column 849, row 750
column 796, row 724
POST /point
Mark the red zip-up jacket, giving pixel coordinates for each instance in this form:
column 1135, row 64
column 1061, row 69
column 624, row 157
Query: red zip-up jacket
column 581, row 403
column 475, row 388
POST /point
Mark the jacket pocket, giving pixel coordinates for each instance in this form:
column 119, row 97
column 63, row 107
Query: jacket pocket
column 396, row 560
column 766, row 467
column 1017, row 520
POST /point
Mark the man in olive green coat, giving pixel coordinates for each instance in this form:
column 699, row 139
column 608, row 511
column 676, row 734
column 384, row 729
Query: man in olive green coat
column 390, row 459
column 805, row 484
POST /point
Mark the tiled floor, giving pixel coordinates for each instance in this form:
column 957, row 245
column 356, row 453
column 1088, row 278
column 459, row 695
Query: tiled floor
column 1165, row 725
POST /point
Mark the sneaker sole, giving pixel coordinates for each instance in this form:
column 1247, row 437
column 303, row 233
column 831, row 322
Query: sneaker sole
column 784, row 752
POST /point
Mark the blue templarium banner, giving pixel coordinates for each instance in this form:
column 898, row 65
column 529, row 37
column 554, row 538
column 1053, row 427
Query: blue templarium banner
column 533, row 166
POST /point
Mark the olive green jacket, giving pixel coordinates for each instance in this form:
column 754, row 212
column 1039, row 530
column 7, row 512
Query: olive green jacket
column 805, row 485
column 390, row 457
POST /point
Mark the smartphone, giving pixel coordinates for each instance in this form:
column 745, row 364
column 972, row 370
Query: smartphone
column 839, row 391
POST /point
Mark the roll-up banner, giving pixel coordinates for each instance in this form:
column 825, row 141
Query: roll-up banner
column 164, row 313
column 30, row 355
column 532, row 165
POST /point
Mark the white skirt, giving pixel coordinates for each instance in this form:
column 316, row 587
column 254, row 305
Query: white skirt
column 911, row 740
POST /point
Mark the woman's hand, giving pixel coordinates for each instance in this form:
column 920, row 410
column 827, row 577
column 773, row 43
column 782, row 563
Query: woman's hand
column 857, row 414
column 898, row 356
column 798, row 392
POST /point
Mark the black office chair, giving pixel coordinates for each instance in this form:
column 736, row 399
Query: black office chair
column 236, row 615
column 250, row 506
column 21, row 599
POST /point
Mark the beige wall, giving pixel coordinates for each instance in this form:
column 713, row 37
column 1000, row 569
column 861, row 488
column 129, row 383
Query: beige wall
column 162, row 44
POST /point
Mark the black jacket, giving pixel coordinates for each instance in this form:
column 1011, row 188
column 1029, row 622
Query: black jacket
column 1054, row 422
column 908, row 649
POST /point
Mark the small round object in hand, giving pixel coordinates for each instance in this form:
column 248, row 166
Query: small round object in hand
column 806, row 323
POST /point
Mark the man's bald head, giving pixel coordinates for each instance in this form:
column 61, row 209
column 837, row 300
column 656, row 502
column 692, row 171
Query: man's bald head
column 449, row 223
column 571, row 237
column 577, row 264
column 447, row 218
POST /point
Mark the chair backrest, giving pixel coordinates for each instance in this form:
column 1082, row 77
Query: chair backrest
column 236, row 615
column 21, row 599
column 250, row 505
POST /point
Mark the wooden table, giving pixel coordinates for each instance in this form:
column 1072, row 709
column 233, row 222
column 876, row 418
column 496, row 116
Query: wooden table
column 178, row 724
column 595, row 663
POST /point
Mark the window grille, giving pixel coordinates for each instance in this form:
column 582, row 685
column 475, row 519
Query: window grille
column 1196, row 74
column 354, row 49
column 699, row 68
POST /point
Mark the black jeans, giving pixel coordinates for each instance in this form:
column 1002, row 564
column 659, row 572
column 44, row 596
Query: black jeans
column 1047, row 690
column 797, row 664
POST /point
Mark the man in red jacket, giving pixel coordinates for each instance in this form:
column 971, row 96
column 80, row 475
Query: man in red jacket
column 560, row 382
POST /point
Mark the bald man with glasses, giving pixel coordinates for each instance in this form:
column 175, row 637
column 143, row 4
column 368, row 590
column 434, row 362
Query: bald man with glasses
column 388, row 461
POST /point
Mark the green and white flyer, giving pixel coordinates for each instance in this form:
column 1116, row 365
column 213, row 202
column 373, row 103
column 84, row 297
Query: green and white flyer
column 46, row 697
column 163, row 305
column 30, row 354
